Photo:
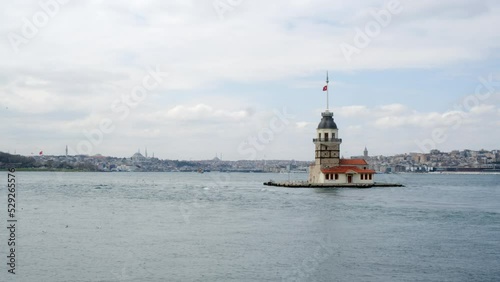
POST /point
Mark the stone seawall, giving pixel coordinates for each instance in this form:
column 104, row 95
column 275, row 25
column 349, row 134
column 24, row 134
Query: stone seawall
column 304, row 184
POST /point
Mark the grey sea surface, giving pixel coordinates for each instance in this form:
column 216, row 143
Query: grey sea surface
column 229, row 227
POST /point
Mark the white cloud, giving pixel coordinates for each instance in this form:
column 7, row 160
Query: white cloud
column 483, row 109
column 204, row 112
column 350, row 111
column 91, row 53
column 394, row 109
column 302, row 124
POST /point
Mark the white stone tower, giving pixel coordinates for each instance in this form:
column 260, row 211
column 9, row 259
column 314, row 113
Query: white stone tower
column 327, row 142
column 327, row 146
column 329, row 168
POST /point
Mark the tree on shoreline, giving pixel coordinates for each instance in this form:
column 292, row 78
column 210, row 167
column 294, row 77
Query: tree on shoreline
column 7, row 159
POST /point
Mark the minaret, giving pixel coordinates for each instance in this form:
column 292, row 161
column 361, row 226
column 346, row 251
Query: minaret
column 365, row 153
column 146, row 152
column 66, row 150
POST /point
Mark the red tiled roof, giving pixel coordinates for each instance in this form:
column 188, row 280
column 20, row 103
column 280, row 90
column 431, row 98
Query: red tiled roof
column 345, row 169
column 353, row 162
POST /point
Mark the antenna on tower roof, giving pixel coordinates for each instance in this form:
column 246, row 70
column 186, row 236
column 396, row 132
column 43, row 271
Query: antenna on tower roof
column 325, row 88
column 327, row 94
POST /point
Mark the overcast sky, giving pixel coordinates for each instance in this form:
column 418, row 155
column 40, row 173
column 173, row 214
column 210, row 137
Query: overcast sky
column 192, row 79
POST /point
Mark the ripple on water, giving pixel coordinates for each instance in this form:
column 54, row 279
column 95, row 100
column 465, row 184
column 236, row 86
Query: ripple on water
column 188, row 227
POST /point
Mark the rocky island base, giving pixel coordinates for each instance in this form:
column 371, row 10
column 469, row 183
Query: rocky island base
column 305, row 184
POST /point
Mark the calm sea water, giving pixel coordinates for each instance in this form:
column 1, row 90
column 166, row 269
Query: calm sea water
column 228, row 227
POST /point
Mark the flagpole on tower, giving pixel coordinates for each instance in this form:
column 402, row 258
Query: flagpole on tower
column 327, row 95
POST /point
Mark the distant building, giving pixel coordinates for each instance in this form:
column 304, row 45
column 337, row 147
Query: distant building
column 328, row 166
column 138, row 157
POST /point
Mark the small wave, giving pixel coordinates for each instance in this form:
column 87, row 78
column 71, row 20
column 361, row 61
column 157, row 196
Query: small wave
column 102, row 187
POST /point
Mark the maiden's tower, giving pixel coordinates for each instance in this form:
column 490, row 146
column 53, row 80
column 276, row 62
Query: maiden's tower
column 329, row 169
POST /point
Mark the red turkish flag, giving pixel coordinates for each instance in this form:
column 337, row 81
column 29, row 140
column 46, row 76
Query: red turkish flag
column 325, row 88
column 41, row 153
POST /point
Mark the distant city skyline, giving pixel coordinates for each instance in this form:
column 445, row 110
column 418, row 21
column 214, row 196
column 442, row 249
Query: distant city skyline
column 189, row 79
column 455, row 161
column 219, row 157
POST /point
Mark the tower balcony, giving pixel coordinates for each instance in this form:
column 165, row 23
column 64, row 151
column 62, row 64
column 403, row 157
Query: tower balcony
column 336, row 140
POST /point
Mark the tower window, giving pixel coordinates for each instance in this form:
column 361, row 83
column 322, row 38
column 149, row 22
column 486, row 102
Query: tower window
column 319, row 135
column 326, row 136
column 370, row 176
